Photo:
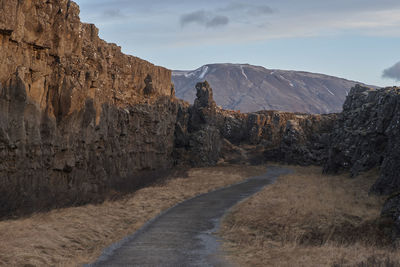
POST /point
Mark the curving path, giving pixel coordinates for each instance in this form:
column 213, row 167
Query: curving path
column 183, row 235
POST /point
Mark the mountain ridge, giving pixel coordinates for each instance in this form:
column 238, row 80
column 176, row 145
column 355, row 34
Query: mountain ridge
column 251, row 88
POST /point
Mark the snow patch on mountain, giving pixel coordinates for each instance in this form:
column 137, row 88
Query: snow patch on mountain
column 329, row 90
column 199, row 73
column 251, row 88
column 204, row 72
column 244, row 74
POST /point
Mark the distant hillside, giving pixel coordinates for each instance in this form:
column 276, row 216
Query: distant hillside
column 251, row 88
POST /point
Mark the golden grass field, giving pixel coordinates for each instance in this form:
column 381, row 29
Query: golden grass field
column 310, row 219
column 73, row 236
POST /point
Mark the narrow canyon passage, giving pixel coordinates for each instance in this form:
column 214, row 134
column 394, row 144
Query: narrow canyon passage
column 183, row 235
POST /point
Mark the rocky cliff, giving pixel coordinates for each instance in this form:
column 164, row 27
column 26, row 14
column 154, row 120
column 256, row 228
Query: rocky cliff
column 78, row 117
column 367, row 135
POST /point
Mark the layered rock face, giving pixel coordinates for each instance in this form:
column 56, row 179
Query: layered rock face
column 77, row 117
column 62, row 61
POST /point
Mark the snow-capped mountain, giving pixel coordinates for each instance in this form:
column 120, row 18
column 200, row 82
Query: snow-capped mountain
column 251, row 88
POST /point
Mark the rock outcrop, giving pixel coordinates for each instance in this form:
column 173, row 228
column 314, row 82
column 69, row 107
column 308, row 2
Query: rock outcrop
column 293, row 138
column 198, row 140
column 367, row 135
column 205, row 133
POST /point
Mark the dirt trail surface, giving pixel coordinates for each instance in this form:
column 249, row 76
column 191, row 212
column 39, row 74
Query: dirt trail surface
column 183, row 235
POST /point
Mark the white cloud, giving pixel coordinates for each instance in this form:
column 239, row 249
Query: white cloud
column 243, row 21
column 283, row 25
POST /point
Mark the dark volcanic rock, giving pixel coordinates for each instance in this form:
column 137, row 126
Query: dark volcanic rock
column 285, row 137
column 204, row 133
column 45, row 163
column 358, row 141
column 366, row 136
column 78, row 118
column 203, row 111
column 389, row 180
column 198, row 140
column 304, row 141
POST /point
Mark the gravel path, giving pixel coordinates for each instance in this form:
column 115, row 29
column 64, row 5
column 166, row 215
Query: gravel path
column 183, row 235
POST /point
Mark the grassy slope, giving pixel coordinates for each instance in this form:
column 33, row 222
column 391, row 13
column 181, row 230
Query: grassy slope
column 308, row 219
column 69, row 237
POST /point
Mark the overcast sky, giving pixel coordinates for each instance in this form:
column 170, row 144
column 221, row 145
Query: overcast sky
column 354, row 39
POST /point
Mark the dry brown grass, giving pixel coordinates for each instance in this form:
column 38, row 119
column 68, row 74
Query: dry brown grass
column 72, row 236
column 308, row 219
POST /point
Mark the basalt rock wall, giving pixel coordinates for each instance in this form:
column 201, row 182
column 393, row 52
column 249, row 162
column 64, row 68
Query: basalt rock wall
column 78, row 118
column 292, row 138
column 367, row 135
